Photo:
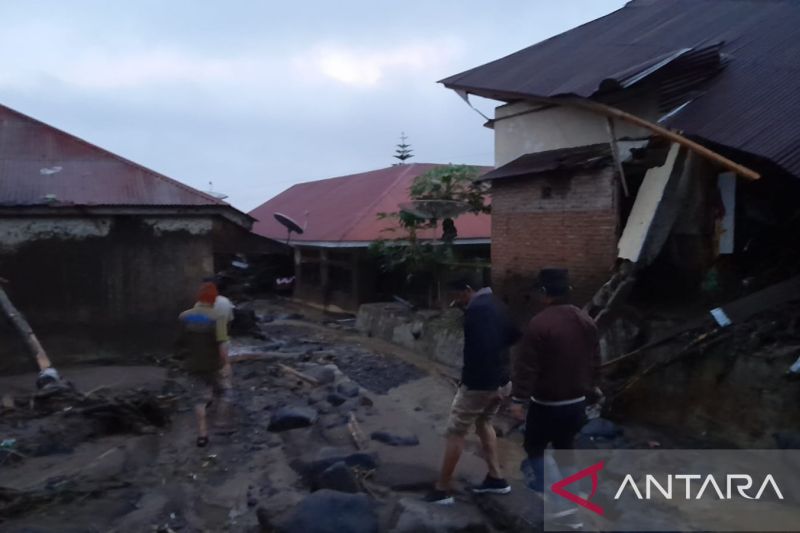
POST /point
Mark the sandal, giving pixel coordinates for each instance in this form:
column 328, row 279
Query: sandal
column 202, row 442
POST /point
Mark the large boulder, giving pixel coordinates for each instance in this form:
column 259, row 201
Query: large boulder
column 292, row 417
column 329, row 511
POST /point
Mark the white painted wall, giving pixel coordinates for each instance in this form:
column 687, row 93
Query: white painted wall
column 551, row 128
column 15, row 231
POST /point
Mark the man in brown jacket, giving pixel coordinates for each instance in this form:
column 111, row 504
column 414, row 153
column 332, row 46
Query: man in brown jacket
column 555, row 372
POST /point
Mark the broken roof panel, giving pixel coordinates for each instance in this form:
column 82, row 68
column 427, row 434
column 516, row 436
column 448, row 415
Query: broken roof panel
column 345, row 209
column 752, row 105
column 43, row 166
column 580, row 157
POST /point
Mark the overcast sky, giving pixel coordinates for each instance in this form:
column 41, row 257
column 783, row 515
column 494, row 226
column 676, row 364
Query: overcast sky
column 258, row 95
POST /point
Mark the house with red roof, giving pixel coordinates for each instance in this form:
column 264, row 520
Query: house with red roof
column 339, row 219
column 100, row 253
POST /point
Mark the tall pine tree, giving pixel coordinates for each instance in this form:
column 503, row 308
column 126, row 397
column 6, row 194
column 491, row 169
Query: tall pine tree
column 403, row 151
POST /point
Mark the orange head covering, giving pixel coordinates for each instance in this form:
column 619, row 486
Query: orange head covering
column 208, row 293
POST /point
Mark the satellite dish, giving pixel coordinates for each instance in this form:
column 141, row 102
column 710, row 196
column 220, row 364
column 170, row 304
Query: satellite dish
column 435, row 208
column 289, row 224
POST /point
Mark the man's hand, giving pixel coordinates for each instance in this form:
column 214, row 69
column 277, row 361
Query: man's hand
column 517, row 411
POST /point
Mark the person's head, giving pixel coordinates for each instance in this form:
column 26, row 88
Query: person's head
column 552, row 286
column 207, row 294
column 462, row 291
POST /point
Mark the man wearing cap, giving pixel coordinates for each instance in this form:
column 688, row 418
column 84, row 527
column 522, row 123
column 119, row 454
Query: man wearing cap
column 488, row 334
column 203, row 346
column 555, row 371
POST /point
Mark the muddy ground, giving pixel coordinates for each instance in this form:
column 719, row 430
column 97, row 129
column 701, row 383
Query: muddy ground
column 119, row 455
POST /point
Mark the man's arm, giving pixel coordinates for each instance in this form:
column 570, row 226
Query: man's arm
column 525, row 366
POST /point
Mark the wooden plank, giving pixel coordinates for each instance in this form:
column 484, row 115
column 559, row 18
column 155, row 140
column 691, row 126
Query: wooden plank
column 637, row 228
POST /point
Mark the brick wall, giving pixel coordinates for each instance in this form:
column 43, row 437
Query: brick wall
column 553, row 221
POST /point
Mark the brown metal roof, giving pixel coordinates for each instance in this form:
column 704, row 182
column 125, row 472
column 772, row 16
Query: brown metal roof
column 345, row 209
column 43, row 166
column 748, row 49
column 585, row 157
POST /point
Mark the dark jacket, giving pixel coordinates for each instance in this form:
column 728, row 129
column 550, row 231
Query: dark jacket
column 488, row 334
column 559, row 357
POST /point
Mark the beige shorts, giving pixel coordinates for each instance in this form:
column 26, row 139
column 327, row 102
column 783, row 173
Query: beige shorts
column 203, row 389
column 474, row 407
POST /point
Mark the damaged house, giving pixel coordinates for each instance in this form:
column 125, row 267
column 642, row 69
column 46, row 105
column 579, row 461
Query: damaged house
column 100, row 253
column 339, row 219
column 655, row 153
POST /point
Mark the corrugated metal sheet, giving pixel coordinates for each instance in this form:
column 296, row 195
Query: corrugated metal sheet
column 586, row 157
column 752, row 105
column 345, row 209
column 38, row 160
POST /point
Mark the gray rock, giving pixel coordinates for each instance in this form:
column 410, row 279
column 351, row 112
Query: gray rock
column 323, row 373
column 395, row 439
column 328, row 511
column 405, row 476
column 336, row 399
column 348, row 389
column 311, row 467
column 292, row 418
column 415, row 516
column 290, row 316
column 338, row 477
column 601, row 428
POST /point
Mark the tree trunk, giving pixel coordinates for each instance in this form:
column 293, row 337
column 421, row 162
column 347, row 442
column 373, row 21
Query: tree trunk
column 24, row 329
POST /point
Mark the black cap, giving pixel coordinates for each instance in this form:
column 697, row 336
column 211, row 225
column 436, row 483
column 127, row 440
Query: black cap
column 554, row 281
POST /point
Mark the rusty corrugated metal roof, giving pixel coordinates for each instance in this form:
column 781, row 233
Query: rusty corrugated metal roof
column 751, row 105
column 44, row 166
column 345, row 209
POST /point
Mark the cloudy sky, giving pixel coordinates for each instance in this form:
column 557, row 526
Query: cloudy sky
column 257, row 95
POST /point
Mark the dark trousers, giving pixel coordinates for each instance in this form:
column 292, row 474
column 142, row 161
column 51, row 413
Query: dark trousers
column 549, row 424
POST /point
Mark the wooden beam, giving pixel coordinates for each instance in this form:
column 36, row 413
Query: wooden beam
column 699, row 149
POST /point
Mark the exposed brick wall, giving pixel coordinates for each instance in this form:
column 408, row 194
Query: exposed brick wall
column 553, row 221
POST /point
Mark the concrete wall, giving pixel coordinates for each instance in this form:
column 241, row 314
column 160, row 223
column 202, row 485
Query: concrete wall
column 575, row 227
column 107, row 285
column 524, row 128
column 437, row 335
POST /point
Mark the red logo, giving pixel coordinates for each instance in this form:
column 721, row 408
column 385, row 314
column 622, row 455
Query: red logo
column 558, row 488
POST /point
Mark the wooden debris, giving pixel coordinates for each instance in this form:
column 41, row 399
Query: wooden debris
column 355, row 432
column 25, row 330
column 298, row 374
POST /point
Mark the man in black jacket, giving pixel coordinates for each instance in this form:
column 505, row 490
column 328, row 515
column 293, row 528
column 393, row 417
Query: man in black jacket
column 488, row 335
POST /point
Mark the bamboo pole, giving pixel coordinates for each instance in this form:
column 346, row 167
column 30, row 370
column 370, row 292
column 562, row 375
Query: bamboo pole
column 699, row 149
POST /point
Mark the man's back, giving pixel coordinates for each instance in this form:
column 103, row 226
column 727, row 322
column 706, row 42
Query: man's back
column 560, row 354
column 202, row 329
column 488, row 334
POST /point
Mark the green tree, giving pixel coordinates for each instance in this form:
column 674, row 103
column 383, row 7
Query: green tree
column 437, row 195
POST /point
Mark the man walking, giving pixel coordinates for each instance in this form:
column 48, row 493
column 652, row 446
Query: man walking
column 203, row 346
column 555, row 371
column 488, row 334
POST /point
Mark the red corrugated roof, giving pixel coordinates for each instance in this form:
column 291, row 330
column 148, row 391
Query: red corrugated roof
column 345, row 209
column 37, row 160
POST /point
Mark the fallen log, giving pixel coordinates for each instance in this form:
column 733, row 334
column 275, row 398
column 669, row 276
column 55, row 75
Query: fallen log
column 355, row 432
column 298, row 374
column 24, row 328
